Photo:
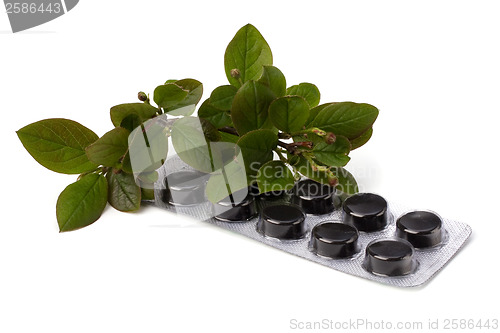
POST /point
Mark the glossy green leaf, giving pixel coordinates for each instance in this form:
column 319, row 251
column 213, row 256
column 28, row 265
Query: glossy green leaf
column 81, row 203
column 274, row 79
column 248, row 51
column 222, row 97
column 169, row 95
column 346, row 181
column 362, row 139
column 250, row 107
column 148, row 146
column 334, row 154
column 123, row 193
column 229, row 179
column 274, row 176
column 314, row 112
column 257, row 149
column 110, row 149
column 303, row 166
column 59, row 145
column 346, row 118
column 217, row 117
column 227, row 137
column 130, row 122
column 147, row 194
column 187, row 106
column 189, row 138
column 142, row 110
column 307, row 90
column 289, row 113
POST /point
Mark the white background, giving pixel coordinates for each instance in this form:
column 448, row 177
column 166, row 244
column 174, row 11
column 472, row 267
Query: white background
column 431, row 67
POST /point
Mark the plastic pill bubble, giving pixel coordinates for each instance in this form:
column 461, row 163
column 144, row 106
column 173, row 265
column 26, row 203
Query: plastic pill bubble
column 282, row 221
column 239, row 206
column 184, row 188
column 420, row 228
column 314, row 198
column 389, row 257
column 365, row 211
column 334, row 240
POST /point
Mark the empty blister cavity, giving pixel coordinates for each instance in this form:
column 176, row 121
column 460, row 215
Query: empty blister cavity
column 334, row 240
column 314, row 198
column 239, row 206
column 365, row 211
column 422, row 229
column 389, row 257
column 184, row 188
column 282, row 221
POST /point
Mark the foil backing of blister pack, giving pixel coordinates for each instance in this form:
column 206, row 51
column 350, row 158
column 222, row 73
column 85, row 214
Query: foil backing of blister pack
column 429, row 261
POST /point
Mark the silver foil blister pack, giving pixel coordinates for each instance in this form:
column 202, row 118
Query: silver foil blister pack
column 396, row 246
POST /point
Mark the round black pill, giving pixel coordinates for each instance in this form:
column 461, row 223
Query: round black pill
column 365, row 211
column 314, row 198
column 184, row 188
column 282, row 221
column 389, row 257
column 334, row 240
column 239, row 206
column 420, row 228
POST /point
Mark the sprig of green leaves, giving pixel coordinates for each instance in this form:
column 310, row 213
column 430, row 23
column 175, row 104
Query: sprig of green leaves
column 253, row 130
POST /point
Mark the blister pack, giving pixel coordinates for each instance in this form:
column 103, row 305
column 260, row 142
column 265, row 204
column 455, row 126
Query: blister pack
column 363, row 235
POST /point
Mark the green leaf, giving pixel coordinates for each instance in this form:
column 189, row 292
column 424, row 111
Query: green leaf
column 314, row 112
column 248, row 51
column 250, row 107
column 307, row 90
column 362, row 139
column 274, row 176
column 169, row 95
column 274, row 79
column 347, row 184
column 147, row 194
column 81, row 203
column 289, row 113
column 187, row 106
column 148, row 146
column 334, row 154
column 142, row 110
column 130, row 122
column 222, row 97
column 257, row 149
column 227, row 137
column 171, row 81
column 189, row 138
column 59, row 145
column 109, row 149
column 123, row 193
column 303, row 166
column 229, row 179
column 218, row 118
column 346, row 118
column 146, row 179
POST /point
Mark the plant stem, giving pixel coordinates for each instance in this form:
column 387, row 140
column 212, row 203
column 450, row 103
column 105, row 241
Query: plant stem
column 280, row 155
column 292, row 147
column 230, row 130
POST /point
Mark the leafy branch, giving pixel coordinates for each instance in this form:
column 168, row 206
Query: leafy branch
column 253, row 130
